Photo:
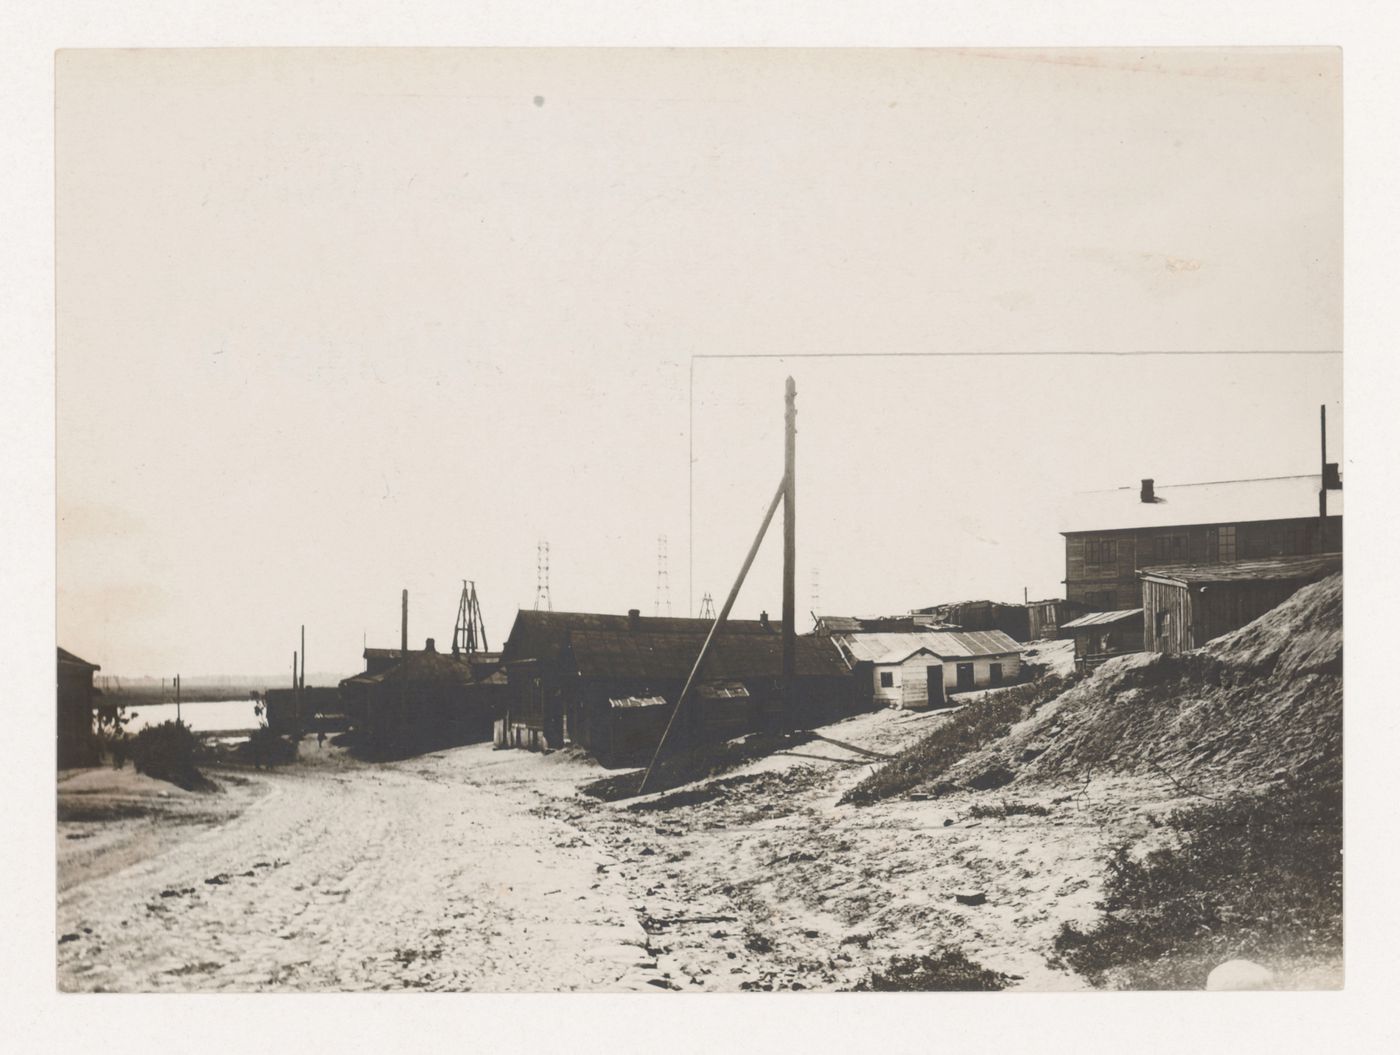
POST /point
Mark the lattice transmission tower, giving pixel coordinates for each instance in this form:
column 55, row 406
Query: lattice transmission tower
column 542, row 598
column 707, row 606
column 663, row 578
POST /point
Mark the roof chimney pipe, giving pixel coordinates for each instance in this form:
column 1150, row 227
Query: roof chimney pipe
column 763, row 619
column 431, row 646
column 1148, row 495
column 634, row 618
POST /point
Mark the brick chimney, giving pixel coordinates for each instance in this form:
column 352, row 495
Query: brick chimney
column 1148, row 495
column 634, row 618
column 763, row 619
column 430, row 646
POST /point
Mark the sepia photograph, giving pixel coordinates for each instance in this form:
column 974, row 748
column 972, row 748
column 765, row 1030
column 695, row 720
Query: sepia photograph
column 698, row 520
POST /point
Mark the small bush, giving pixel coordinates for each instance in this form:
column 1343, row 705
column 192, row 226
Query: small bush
column 949, row 971
column 1255, row 876
column 265, row 748
column 979, row 723
column 1002, row 810
column 166, row 752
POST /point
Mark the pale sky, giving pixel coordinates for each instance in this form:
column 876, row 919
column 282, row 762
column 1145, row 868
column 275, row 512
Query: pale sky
column 331, row 324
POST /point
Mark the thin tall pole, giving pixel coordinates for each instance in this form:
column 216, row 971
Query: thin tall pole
column 714, row 629
column 790, row 554
column 1322, row 488
column 177, row 698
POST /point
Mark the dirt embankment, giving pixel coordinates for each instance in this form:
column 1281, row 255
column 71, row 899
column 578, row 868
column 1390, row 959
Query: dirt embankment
column 1260, row 703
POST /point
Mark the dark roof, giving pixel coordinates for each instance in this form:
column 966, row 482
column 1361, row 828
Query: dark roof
column 1265, row 569
column 543, row 635
column 383, row 653
column 669, row 656
column 1102, row 619
column 64, row 656
column 424, row 667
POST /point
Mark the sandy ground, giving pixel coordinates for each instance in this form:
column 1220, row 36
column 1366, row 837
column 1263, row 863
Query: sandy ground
column 487, row 870
column 429, row 874
column 774, row 886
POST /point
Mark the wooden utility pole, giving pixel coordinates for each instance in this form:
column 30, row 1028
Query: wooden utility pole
column 403, row 629
column 714, row 630
column 177, row 698
column 790, row 555
column 1322, row 488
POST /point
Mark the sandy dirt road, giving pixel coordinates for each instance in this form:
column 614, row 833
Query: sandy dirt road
column 427, row 874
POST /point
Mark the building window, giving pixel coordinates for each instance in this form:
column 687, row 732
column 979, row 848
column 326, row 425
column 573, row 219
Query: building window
column 886, row 679
column 1225, row 542
column 1164, row 622
column 1169, row 549
column 1100, row 551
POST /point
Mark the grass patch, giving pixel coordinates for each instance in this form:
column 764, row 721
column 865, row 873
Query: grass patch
column 1255, row 877
column 949, row 971
column 1002, row 810
column 979, row 723
column 698, row 763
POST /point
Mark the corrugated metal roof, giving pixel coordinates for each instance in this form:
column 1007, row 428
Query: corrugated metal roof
column 1272, row 569
column 946, row 644
column 1221, row 502
column 631, row 702
column 1102, row 618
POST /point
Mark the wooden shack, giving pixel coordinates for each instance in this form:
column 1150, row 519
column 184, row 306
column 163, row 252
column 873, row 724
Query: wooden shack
column 1045, row 618
column 294, row 712
column 77, row 742
column 1186, row 605
column 594, row 680
column 1099, row 636
column 424, row 701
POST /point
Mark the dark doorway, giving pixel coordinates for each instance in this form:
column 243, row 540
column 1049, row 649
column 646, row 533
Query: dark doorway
column 965, row 678
column 994, row 674
column 935, row 686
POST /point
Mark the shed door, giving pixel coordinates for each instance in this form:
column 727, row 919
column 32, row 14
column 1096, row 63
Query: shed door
column 935, row 686
column 965, row 679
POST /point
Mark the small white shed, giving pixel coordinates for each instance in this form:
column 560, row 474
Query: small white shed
column 900, row 664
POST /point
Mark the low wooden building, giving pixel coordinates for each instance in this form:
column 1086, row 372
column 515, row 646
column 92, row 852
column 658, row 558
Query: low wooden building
column 1100, row 636
column 427, row 699
column 294, row 712
column 923, row 668
column 77, row 742
column 1186, row 605
column 1012, row 620
column 594, row 680
column 1044, row 619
